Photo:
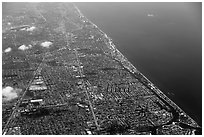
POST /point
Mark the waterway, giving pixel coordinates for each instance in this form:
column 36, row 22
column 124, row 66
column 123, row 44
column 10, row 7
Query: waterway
column 162, row 40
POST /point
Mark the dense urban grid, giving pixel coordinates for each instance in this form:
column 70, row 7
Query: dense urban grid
column 62, row 75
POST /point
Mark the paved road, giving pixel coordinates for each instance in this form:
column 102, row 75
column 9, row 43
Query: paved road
column 86, row 87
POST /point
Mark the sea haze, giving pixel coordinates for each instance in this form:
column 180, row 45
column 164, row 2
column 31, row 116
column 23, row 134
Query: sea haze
column 162, row 40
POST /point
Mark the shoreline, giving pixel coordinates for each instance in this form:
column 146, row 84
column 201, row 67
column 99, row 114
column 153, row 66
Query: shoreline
column 133, row 70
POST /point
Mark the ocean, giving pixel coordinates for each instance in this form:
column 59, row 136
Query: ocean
column 162, row 40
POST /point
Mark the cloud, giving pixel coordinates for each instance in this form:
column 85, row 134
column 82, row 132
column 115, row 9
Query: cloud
column 150, row 15
column 24, row 47
column 7, row 50
column 31, row 28
column 46, row 44
column 9, row 93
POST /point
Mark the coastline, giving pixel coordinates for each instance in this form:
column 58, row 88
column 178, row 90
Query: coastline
column 132, row 69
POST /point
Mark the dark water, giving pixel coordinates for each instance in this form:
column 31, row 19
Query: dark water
column 162, row 40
